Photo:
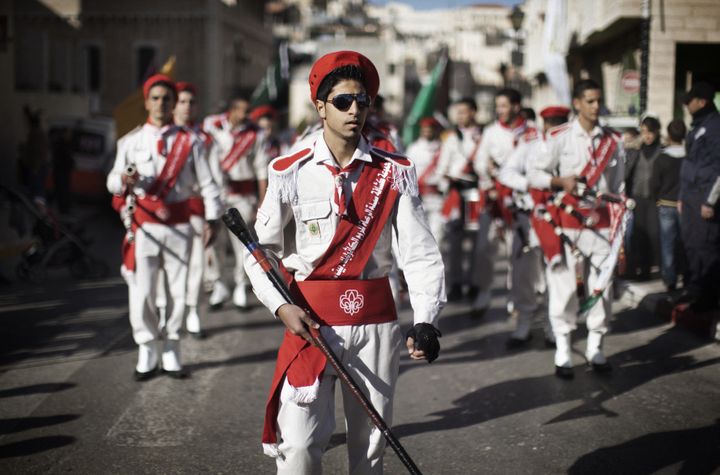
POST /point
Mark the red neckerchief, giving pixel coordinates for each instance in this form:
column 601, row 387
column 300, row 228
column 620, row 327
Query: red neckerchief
column 243, row 140
column 517, row 127
column 339, row 177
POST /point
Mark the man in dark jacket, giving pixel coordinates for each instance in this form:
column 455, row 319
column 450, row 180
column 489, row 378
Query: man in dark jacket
column 699, row 190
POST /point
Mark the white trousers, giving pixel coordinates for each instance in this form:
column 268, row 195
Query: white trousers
column 158, row 246
column 561, row 282
column 247, row 206
column 197, row 261
column 371, row 355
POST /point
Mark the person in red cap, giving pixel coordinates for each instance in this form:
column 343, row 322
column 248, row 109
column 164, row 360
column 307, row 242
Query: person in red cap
column 527, row 266
column 265, row 117
column 425, row 153
column 329, row 217
column 581, row 160
column 159, row 166
column 244, row 172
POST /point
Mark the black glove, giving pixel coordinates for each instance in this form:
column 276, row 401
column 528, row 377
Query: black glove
column 425, row 337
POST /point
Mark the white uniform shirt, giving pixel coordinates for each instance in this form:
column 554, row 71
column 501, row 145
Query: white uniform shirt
column 300, row 234
column 422, row 152
column 253, row 166
column 456, row 153
column 569, row 147
column 514, row 172
column 498, row 143
column 140, row 149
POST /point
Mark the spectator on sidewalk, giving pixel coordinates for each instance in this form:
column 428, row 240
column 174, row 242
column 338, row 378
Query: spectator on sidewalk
column 644, row 245
column 665, row 185
column 35, row 158
column 62, row 165
column 699, row 191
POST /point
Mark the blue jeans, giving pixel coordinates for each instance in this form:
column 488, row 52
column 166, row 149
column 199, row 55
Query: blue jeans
column 669, row 231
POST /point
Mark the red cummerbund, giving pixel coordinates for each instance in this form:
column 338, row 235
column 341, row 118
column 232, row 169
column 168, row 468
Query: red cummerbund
column 197, row 206
column 242, row 187
column 601, row 218
column 348, row 302
column 155, row 211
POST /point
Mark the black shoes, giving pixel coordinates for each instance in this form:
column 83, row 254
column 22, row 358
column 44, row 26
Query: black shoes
column 565, row 373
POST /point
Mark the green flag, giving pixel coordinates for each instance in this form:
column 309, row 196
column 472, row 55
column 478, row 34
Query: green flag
column 273, row 88
column 424, row 104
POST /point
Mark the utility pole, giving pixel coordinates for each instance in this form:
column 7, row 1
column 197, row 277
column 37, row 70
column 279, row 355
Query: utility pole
column 644, row 55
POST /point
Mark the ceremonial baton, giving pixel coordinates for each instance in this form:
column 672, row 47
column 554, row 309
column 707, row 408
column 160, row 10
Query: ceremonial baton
column 240, row 229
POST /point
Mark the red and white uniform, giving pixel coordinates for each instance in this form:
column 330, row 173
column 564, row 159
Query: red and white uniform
column 527, row 271
column 164, row 232
column 425, row 154
column 238, row 151
column 569, row 150
column 499, row 141
column 308, row 193
column 456, row 157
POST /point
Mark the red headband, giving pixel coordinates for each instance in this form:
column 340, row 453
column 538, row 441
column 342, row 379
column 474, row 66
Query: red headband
column 183, row 86
column 554, row 112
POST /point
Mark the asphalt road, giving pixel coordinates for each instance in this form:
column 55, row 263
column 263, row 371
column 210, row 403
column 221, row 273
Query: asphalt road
column 68, row 402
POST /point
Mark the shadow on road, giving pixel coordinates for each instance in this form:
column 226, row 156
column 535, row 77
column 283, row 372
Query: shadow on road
column 696, row 450
column 36, row 389
column 11, row 426
column 35, row 446
column 637, row 367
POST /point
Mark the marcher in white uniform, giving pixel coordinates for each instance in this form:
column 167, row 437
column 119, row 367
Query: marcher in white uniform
column 244, row 182
column 528, row 269
column 169, row 165
column 499, row 141
column 571, row 148
column 336, row 191
column 459, row 183
column 425, row 154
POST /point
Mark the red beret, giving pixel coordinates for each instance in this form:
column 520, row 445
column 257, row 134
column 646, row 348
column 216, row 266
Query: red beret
column 330, row 61
column 429, row 122
column 183, row 86
column 156, row 79
column 554, row 111
column 262, row 111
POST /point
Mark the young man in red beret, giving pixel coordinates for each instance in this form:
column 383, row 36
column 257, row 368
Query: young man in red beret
column 185, row 115
column 582, row 158
column 168, row 167
column 244, row 170
column 329, row 217
column 425, row 153
column 527, row 270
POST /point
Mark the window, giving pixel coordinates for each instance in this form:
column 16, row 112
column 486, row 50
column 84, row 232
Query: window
column 145, row 63
column 93, row 75
column 30, row 61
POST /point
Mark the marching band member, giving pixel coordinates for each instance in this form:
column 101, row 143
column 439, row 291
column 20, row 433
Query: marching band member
column 168, row 164
column 582, row 158
column 343, row 200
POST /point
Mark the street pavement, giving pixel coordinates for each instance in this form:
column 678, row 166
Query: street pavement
column 68, row 402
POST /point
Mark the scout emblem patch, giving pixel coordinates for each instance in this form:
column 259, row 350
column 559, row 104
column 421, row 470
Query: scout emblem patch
column 314, row 229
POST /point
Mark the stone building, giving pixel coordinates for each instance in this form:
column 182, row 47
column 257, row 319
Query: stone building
column 602, row 40
column 81, row 58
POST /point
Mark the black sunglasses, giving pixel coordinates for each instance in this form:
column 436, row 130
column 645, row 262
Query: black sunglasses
column 342, row 102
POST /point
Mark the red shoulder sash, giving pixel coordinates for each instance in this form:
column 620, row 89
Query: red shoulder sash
column 242, row 143
column 173, row 166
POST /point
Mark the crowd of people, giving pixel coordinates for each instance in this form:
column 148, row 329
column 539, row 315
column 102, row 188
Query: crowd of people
column 355, row 224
